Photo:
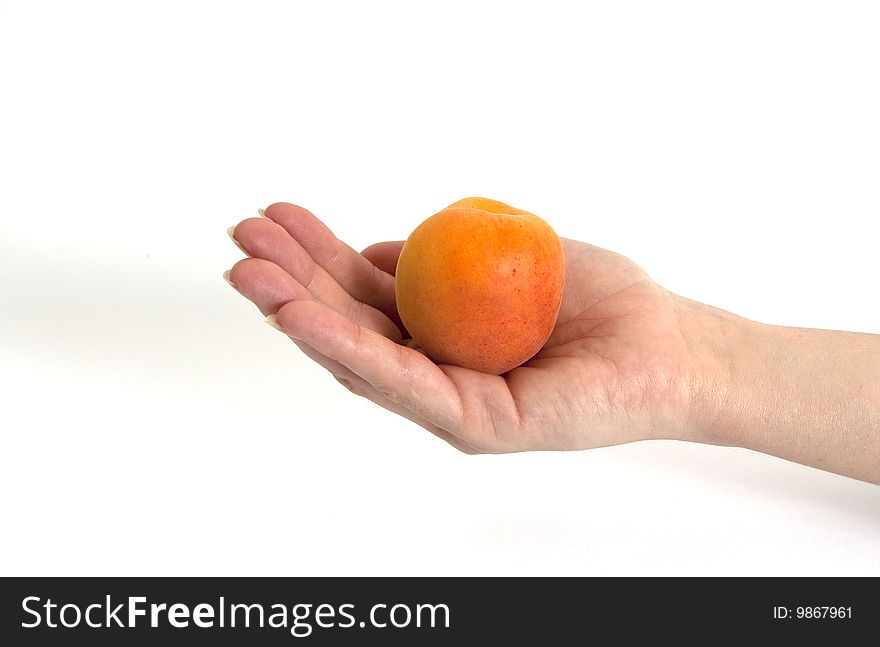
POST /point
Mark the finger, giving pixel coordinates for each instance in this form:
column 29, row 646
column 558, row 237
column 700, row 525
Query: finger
column 270, row 287
column 404, row 376
column 266, row 284
column 357, row 276
column 262, row 238
column 384, row 255
column 357, row 385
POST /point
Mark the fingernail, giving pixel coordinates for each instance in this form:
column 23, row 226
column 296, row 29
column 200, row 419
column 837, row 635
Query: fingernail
column 262, row 213
column 231, row 232
column 229, row 280
column 273, row 321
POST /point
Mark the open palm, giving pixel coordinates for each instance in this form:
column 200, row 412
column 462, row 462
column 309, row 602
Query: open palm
column 615, row 369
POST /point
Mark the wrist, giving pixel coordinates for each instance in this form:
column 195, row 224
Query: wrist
column 721, row 345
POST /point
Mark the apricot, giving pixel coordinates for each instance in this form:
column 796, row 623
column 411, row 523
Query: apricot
column 479, row 285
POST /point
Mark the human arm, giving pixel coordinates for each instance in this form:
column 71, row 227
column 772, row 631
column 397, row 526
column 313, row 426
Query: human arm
column 627, row 361
column 807, row 395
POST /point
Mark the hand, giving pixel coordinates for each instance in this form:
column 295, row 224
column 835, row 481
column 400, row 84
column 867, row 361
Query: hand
column 617, row 367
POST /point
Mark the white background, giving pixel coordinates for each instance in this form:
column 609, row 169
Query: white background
column 153, row 424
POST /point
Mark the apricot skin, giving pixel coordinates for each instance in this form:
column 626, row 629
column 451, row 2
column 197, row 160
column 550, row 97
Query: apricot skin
column 479, row 285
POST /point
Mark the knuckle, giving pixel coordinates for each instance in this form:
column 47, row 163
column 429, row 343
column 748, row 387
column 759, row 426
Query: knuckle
column 348, row 384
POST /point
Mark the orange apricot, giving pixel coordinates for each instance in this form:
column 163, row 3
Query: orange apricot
column 479, row 285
